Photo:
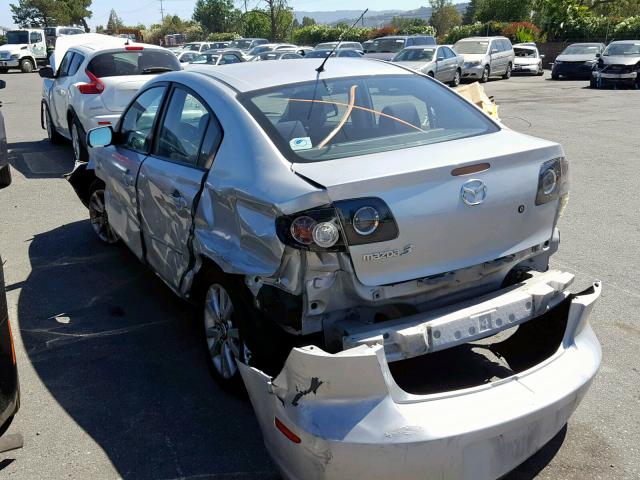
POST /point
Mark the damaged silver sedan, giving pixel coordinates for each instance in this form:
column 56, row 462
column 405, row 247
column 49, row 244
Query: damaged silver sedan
column 371, row 255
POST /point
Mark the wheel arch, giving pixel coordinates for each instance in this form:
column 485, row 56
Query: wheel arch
column 81, row 179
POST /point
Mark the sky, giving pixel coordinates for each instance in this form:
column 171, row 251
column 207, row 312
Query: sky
column 148, row 11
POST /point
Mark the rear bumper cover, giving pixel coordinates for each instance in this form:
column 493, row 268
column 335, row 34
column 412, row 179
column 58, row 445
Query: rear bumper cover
column 354, row 421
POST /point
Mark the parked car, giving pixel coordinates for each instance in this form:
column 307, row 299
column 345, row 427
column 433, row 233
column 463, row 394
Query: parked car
column 303, row 50
column 527, row 59
column 485, row 57
column 246, row 44
column 342, row 53
column 220, row 45
column 91, row 81
column 619, row 64
column 25, row 49
column 385, row 48
column 198, row 46
column 269, row 47
column 379, row 221
column 186, row 56
column 9, row 386
column 281, row 55
column 52, row 33
column 216, row 58
column 343, row 45
column 368, row 47
column 440, row 62
column 577, row 61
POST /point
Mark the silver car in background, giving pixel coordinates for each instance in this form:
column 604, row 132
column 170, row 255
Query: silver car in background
column 347, row 234
column 439, row 62
column 619, row 64
column 486, row 57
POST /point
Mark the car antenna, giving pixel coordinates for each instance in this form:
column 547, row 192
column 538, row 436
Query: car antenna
column 320, row 69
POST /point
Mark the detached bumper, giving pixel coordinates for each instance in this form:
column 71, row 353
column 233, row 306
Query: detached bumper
column 346, row 417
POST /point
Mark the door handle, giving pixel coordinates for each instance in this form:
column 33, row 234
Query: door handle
column 179, row 200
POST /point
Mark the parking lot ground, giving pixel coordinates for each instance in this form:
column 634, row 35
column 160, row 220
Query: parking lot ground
column 113, row 377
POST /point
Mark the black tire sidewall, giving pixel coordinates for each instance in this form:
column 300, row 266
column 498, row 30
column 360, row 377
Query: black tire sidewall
column 84, row 153
column 5, row 176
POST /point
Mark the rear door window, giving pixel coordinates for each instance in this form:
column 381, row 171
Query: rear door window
column 138, row 121
column 183, row 128
column 132, row 62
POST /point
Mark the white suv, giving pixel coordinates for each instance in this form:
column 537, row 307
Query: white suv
column 92, row 79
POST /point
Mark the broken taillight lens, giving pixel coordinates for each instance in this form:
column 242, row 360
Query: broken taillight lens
column 286, row 432
column 94, row 87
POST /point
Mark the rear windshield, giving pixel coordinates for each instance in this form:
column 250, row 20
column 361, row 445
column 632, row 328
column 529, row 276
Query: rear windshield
column 581, row 50
column 388, row 45
column 471, row 48
column 415, row 55
column 339, row 118
column 135, row 62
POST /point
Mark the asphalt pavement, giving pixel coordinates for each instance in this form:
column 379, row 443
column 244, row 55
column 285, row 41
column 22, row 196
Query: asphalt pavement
column 112, row 370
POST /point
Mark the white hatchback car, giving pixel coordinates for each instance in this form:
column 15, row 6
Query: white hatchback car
column 91, row 80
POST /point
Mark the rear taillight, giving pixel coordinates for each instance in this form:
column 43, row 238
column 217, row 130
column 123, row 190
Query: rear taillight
column 332, row 228
column 94, row 87
column 133, row 48
column 553, row 181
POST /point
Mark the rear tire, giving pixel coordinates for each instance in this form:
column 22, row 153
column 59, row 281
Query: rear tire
column 5, row 176
column 507, row 74
column 456, row 78
column 26, row 66
column 486, row 73
column 98, row 215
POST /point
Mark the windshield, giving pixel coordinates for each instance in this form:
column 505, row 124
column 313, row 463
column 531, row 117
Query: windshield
column 241, row 44
column 346, row 117
column 195, row 47
column 623, row 49
column 17, row 37
column 415, row 55
column 116, row 64
column 471, row 48
column 388, row 45
column 524, row 52
column 206, row 59
column 581, row 50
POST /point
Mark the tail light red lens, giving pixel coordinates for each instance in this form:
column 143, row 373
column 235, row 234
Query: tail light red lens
column 133, row 48
column 94, row 87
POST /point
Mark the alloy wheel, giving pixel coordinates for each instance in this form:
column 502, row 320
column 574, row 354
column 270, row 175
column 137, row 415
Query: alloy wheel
column 456, row 79
column 223, row 335
column 99, row 218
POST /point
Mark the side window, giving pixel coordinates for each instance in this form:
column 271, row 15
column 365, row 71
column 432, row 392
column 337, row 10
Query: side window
column 409, row 42
column 74, row 66
column 137, row 122
column 229, row 58
column 64, row 65
column 35, row 37
column 183, row 127
column 449, row 53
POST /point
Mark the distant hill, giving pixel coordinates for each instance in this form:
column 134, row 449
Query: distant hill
column 373, row 18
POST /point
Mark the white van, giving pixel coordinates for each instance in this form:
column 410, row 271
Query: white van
column 485, row 57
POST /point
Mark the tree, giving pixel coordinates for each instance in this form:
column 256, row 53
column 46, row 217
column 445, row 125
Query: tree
column 444, row 16
column 280, row 18
column 256, row 24
column 114, row 24
column 51, row 12
column 308, row 21
column 470, row 12
column 402, row 23
column 503, row 10
column 214, row 15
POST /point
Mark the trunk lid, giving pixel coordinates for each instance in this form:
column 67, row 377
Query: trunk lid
column 438, row 231
column 118, row 91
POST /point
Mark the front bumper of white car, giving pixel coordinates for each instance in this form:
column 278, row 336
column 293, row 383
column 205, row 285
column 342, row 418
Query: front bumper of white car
column 344, row 415
column 9, row 63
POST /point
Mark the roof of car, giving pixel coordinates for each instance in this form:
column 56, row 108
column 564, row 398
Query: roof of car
column 249, row 76
column 482, row 38
column 628, row 42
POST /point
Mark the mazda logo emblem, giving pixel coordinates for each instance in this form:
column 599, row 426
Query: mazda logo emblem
column 473, row 192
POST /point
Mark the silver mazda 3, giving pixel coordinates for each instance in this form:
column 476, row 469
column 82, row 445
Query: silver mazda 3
column 370, row 252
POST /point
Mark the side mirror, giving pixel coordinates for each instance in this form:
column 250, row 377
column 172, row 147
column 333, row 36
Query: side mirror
column 3, row 84
column 100, row 137
column 46, row 72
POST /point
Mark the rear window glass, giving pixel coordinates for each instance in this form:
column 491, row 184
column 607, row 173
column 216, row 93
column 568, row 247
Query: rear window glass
column 389, row 45
column 332, row 119
column 415, row 55
column 134, row 62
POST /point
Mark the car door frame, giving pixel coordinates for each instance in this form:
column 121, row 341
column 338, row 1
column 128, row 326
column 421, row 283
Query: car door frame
column 60, row 89
column 203, row 167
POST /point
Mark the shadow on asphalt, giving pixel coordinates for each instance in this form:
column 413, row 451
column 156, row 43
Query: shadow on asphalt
column 41, row 159
column 122, row 355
